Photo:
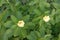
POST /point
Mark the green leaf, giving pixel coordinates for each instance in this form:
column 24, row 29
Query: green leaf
column 32, row 36
column 26, row 18
column 47, row 37
column 8, row 24
column 9, row 32
column 2, row 2
column 14, row 19
column 59, row 37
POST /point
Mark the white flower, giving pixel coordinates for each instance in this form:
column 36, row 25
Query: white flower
column 46, row 18
column 21, row 23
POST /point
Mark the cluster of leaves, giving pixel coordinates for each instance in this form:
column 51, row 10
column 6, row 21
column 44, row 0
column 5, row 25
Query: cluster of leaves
column 31, row 12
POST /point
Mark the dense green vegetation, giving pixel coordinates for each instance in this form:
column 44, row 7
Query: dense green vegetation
column 29, row 19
